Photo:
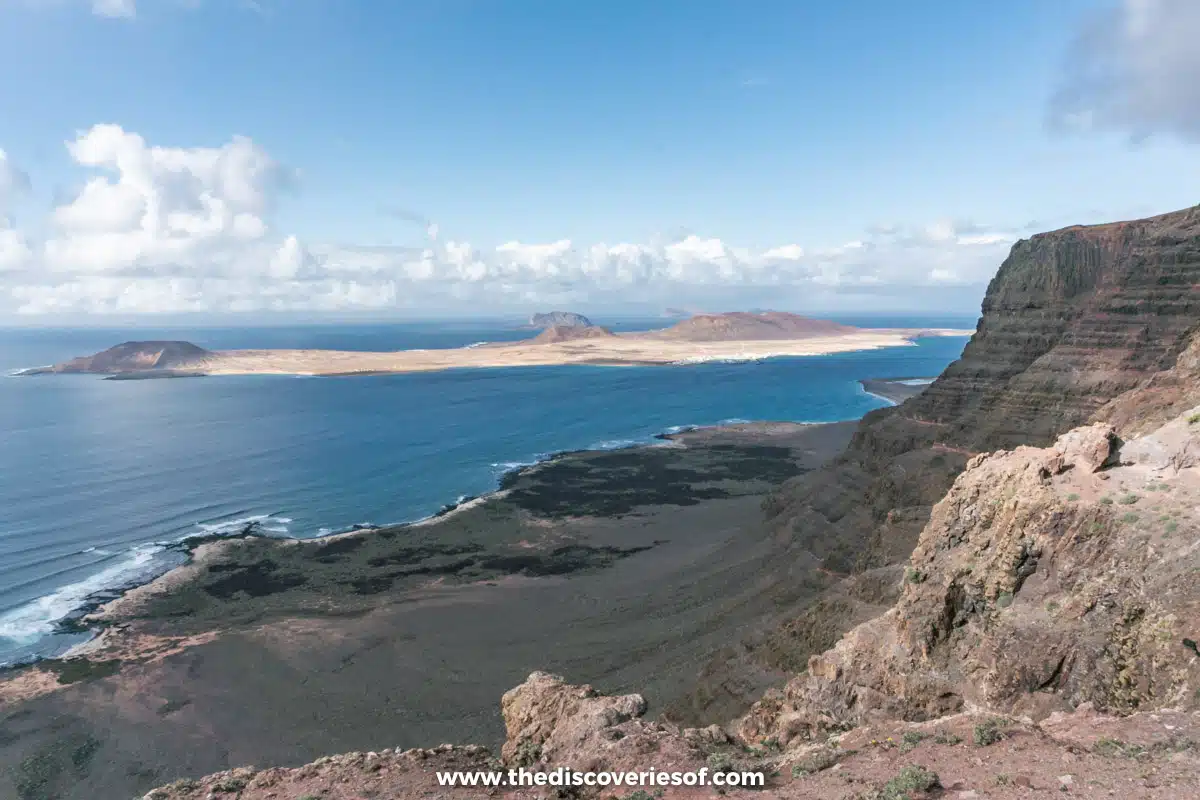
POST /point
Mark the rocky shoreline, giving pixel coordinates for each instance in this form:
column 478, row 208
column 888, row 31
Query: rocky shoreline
column 628, row 567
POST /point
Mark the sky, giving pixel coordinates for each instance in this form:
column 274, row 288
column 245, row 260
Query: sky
column 407, row 157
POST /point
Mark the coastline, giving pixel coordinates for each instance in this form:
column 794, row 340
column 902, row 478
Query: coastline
column 653, row 550
column 76, row 620
column 894, row 391
column 612, row 350
column 89, row 617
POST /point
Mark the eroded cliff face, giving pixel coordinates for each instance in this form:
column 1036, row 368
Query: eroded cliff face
column 1072, row 320
column 1046, row 579
column 1081, row 324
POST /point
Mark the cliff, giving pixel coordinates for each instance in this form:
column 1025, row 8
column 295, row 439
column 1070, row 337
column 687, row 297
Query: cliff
column 1048, row 578
column 1085, row 323
column 1072, row 321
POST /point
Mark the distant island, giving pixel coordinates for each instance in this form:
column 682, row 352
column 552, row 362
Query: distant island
column 568, row 339
column 559, row 319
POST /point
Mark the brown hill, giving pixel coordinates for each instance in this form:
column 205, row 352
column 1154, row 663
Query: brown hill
column 569, row 333
column 134, row 357
column 750, row 326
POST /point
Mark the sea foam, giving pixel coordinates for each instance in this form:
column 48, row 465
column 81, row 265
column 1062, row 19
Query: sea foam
column 37, row 618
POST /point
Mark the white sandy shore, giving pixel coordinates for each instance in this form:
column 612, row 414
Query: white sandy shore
column 624, row 350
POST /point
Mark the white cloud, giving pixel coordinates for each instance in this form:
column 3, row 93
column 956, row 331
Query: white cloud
column 1135, row 68
column 167, row 229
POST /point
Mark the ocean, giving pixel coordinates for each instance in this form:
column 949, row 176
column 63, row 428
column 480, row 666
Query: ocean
column 100, row 480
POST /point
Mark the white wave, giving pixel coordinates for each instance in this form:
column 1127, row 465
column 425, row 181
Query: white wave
column 232, row 527
column 917, row 381
column 16, row 373
column 674, row 429
column 616, row 444
column 734, row 421
column 503, row 467
column 475, row 344
column 37, row 618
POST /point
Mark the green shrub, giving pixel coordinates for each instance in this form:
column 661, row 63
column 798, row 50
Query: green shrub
column 722, row 762
column 912, row 779
column 1073, row 496
column 989, row 731
column 1106, row 501
column 230, row 785
column 1129, row 499
column 1115, row 747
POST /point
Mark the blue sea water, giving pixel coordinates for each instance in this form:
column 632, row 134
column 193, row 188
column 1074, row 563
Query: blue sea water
column 100, row 479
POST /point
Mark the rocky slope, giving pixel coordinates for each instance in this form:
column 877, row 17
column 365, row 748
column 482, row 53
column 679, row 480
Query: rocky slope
column 553, row 725
column 1048, row 578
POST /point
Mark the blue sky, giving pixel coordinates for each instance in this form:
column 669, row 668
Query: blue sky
column 749, row 126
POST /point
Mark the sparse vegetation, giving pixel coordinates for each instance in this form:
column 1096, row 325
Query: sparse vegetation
column 816, row 761
column 1073, row 496
column 1193, row 419
column 230, row 785
column 1004, row 600
column 1129, row 499
column 722, row 762
column 913, row 781
column 915, row 576
column 1052, row 606
column 527, row 753
column 948, row 738
column 910, row 740
column 1003, row 779
column 990, row 731
column 1106, row 501
column 74, row 670
column 1115, row 747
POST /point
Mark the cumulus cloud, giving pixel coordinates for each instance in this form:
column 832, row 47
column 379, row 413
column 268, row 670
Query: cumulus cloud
column 1135, row 68
column 169, row 229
